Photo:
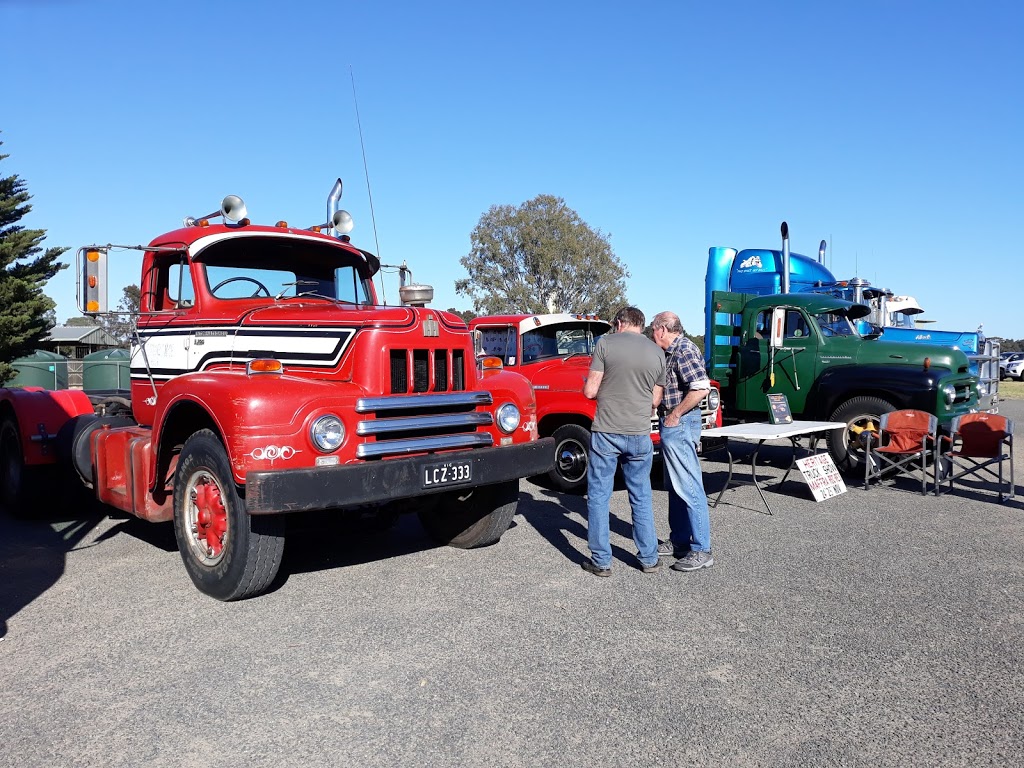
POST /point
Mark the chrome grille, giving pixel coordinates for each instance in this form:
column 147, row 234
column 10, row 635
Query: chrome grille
column 405, row 424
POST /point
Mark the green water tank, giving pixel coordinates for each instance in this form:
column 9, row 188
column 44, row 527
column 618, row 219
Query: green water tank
column 108, row 370
column 40, row 369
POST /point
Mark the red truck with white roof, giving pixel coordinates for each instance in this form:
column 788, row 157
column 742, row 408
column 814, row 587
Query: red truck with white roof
column 553, row 351
column 266, row 378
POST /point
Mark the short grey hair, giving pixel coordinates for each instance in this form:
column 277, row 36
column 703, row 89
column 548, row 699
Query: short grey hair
column 667, row 320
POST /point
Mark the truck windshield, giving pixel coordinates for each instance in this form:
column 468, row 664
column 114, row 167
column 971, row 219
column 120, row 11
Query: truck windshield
column 835, row 325
column 559, row 341
column 282, row 270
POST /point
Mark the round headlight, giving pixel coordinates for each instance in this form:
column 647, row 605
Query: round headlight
column 714, row 399
column 949, row 393
column 508, row 418
column 327, row 433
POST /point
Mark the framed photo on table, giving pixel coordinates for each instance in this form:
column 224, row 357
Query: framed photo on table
column 778, row 409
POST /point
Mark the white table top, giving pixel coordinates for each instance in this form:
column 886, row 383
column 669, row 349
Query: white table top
column 762, row 431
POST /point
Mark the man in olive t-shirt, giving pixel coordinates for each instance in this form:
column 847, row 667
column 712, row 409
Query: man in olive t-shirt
column 626, row 377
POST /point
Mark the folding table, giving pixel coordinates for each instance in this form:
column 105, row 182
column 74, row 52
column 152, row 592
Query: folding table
column 762, row 433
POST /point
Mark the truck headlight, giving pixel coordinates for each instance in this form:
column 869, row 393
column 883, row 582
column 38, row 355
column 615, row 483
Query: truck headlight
column 949, row 393
column 327, row 433
column 508, row 418
column 714, row 400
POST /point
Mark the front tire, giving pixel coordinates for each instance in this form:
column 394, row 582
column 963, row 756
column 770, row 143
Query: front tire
column 474, row 519
column 860, row 414
column 572, row 446
column 228, row 553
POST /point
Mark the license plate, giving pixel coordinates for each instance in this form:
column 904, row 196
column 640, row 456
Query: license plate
column 447, row 473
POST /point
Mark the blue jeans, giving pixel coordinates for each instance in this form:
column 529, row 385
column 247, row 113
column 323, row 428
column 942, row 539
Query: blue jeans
column 635, row 453
column 688, row 520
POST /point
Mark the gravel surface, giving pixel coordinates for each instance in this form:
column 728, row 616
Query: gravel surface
column 876, row 628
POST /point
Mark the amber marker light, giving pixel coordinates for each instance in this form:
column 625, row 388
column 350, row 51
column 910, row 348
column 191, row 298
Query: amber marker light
column 92, row 306
column 282, row 224
column 93, row 255
column 927, row 363
column 491, row 363
column 264, row 365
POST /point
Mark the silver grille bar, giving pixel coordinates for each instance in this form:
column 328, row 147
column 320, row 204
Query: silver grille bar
column 423, row 444
column 405, row 402
column 447, row 421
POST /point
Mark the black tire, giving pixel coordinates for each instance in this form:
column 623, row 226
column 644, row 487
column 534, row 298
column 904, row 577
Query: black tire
column 23, row 489
column 859, row 413
column 475, row 518
column 572, row 446
column 228, row 553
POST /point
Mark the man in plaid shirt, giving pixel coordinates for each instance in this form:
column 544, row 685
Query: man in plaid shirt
column 686, row 384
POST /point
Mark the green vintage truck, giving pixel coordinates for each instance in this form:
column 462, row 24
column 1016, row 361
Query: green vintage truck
column 826, row 369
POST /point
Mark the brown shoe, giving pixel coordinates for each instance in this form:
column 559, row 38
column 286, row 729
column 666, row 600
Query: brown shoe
column 589, row 567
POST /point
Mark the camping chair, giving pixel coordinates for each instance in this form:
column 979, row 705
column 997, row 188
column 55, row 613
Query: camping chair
column 901, row 446
column 976, row 442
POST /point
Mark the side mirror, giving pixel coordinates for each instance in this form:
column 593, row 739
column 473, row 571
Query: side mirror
column 92, row 280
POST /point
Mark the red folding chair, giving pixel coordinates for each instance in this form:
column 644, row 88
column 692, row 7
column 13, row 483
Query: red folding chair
column 978, row 441
column 904, row 443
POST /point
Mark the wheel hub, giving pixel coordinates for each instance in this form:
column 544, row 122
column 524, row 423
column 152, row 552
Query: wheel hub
column 208, row 518
column 571, row 459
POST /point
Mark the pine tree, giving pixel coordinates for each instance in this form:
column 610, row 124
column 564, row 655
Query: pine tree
column 26, row 313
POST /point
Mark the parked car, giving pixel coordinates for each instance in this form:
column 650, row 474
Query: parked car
column 1010, row 365
column 1013, row 368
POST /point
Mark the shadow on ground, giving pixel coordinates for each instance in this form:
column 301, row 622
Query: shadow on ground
column 33, row 553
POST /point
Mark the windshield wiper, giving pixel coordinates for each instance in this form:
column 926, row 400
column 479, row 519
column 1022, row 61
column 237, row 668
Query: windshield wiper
column 299, row 294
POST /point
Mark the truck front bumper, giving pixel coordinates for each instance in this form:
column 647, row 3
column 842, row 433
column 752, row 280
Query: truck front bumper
column 353, row 485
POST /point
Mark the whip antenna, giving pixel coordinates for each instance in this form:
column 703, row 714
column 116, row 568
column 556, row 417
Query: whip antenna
column 366, row 172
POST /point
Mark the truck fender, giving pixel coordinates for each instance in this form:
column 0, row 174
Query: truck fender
column 39, row 415
column 902, row 385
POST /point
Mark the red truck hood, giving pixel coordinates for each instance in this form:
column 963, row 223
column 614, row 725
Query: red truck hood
column 317, row 313
column 558, row 374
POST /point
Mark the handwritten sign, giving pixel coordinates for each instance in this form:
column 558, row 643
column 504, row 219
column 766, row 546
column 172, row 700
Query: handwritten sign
column 822, row 476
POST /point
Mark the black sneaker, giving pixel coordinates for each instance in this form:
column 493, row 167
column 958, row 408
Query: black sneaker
column 651, row 568
column 589, row 567
column 693, row 561
column 666, row 548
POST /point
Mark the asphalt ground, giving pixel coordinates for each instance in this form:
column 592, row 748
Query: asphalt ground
column 877, row 628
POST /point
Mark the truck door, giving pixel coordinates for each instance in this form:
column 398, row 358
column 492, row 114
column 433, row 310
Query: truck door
column 794, row 363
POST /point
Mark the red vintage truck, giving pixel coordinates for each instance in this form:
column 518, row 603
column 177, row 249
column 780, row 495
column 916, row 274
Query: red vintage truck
column 553, row 351
column 267, row 379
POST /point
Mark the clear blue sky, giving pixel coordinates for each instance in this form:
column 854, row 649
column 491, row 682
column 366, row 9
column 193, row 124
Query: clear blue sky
column 891, row 129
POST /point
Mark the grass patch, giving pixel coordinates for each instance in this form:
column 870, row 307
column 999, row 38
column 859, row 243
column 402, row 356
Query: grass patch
column 1011, row 390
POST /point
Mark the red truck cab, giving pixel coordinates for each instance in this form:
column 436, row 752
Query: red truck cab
column 553, row 351
column 266, row 378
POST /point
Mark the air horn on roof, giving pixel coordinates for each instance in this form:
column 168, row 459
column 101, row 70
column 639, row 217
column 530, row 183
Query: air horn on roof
column 232, row 208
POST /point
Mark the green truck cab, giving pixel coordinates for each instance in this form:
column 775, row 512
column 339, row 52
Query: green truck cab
column 807, row 347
